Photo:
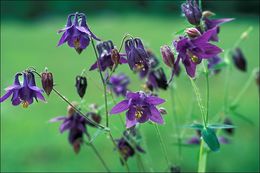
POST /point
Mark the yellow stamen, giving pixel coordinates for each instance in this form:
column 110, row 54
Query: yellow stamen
column 138, row 114
column 25, row 104
column 76, row 43
column 125, row 150
column 194, row 59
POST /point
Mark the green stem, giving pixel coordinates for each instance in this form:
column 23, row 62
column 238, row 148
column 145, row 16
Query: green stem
column 162, row 146
column 176, row 120
column 244, row 89
column 99, row 156
column 207, row 91
column 106, row 107
column 202, row 158
column 199, row 101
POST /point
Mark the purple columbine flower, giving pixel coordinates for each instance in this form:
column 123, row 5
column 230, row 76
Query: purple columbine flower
column 119, row 84
column 157, row 79
column 137, row 57
column 126, row 149
column 76, row 125
column 105, row 60
column 76, row 33
column 212, row 23
column 23, row 93
column 192, row 12
column 140, row 107
column 192, row 51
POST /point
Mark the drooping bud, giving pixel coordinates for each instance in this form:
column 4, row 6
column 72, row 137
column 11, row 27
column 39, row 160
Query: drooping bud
column 168, row 56
column 115, row 56
column 239, row 59
column 192, row 32
column 192, row 12
column 207, row 14
column 175, row 169
column 47, row 82
column 81, row 85
column 95, row 117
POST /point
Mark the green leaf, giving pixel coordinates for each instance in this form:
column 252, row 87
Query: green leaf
column 220, row 126
column 194, row 126
column 210, row 138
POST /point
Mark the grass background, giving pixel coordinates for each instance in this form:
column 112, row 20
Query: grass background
column 30, row 143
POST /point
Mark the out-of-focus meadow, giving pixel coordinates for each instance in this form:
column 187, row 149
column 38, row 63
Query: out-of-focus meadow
column 30, row 143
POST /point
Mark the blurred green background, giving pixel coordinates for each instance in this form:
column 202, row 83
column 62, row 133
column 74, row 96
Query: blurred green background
column 29, row 143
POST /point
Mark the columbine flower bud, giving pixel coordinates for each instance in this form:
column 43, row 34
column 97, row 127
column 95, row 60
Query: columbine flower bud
column 95, row 117
column 207, row 14
column 163, row 111
column 47, row 82
column 115, row 56
column 192, row 32
column 81, row 85
column 168, row 56
column 239, row 59
column 192, row 12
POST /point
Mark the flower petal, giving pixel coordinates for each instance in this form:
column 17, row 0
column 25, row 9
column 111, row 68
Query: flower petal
column 7, row 94
column 156, row 115
column 130, row 114
column 94, row 66
column 120, row 107
column 205, row 36
column 130, row 123
column 65, row 126
column 153, row 100
column 61, row 118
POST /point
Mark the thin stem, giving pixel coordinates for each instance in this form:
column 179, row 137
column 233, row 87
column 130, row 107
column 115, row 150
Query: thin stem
column 163, row 146
column 99, row 156
column 207, row 91
column 103, row 82
column 227, row 83
column 199, row 101
column 176, row 120
column 202, row 158
column 242, row 92
column 106, row 107
column 122, row 42
column 139, row 160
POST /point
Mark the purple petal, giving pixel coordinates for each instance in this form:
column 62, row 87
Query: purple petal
column 190, row 67
column 84, row 42
column 130, row 123
column 94, row 66
column 16, row 101
column 64, row 38
column 209, row 51
column 83, row 29
column 205, row 36
column 120, row 107
column 122, row 60
column 130, row 114
column 156, row 115
column 61, row 118
column 65, row 126
column 154, row 100
column 7, row 94
column 131, row 95
column 40, row 96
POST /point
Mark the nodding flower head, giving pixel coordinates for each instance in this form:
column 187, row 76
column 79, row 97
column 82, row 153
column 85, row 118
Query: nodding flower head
column 25, row 93
column 167, row 55
column 140, row 107
column 192, row 51
column 105, row 51
column 76, row 125
column 239, row 59
column 81, row 85
column 76, row 33
column 157, row 79
column 137, row 57
column 192, row 12
column 119, row 83
column 126, row 149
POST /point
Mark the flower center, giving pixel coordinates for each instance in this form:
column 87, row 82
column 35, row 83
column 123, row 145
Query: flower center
column 194, row 58
column 25, row 104
column 139, row 66
column 125, row 150
column 138, row 114
column 76, row 43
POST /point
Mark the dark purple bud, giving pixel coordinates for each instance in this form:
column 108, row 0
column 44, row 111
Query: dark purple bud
column 239, row 59
column 81, row 85
column 192, row 12
column 175, row 169
column 47, row 82
column 95, row 117
column 192, row 32
column 168, row 56
column 229, row 131
column 207, row 14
